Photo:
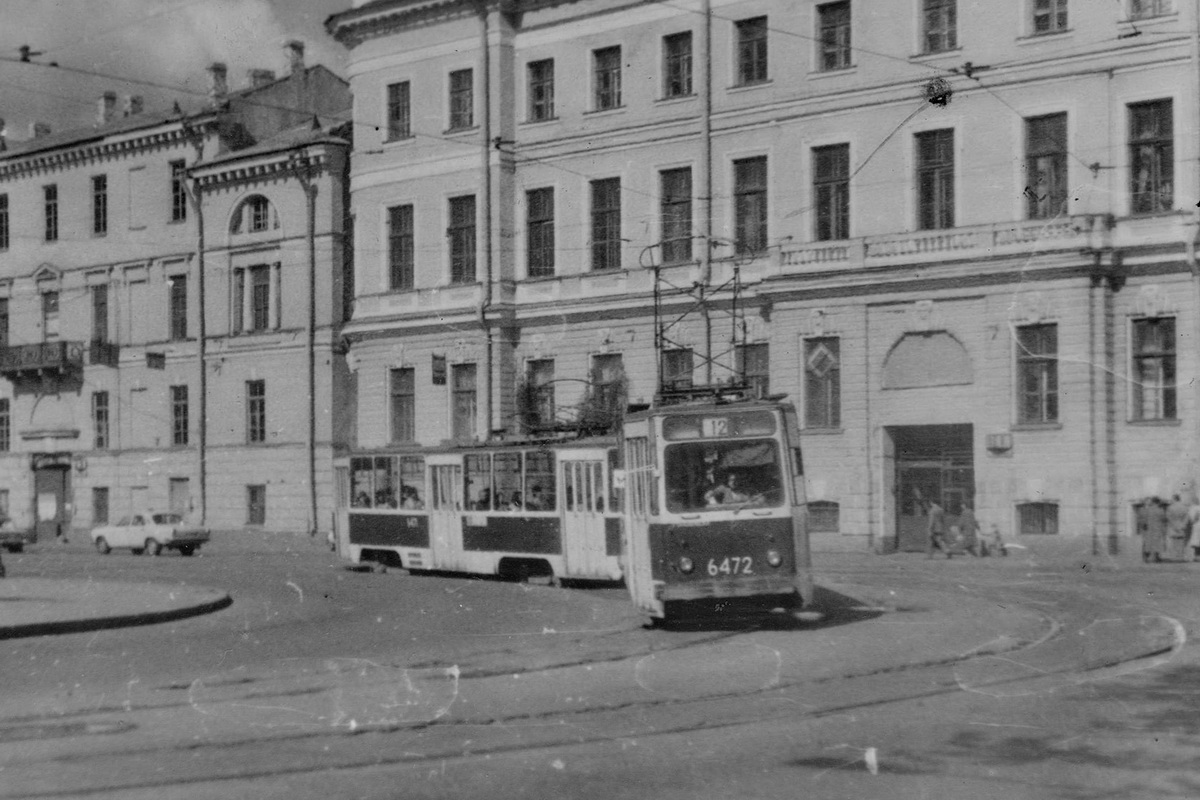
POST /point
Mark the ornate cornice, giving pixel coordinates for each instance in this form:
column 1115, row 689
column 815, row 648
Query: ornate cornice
column 71, row 155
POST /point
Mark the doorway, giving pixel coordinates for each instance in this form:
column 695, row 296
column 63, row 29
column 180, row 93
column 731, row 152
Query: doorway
column 51, row 487
column 933, row 463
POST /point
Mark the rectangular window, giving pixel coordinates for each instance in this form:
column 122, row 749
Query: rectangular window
column 677, row 369
column 50, row 206
column 676, row 211
column 1046, row 166
column 940, row 25
column 677, row 65
column 1049, row 16
column 822, row 383
column 539, row 249
column 401, row 264
column 606, row 78
column 463, row 401
column 750, row 205
column 49, row 316
column 178, row 306
column 1038, row 518
column 754, row 368
column 751, row 50
column 462, row 99
column 608, row 386
column 99, row 205
column 179, row 416
column 100, row 420
column 462, row 239
column 831, row 192
column 399, row 113
column 834, row 21
column 1144, row 9
column 1152, row 157
column 256, row 411
column 1037, row 373
column 541, row 90
column 179, row 197
column 259, row 279
column 404, row 404
column 100, row 313
column 3, row 322
column 5, row 427
column 606, row 223
column 1154, row 368
column 3, row 222
column 539, row 382
column 935, row 179
column 99, row 505
column 256, row 504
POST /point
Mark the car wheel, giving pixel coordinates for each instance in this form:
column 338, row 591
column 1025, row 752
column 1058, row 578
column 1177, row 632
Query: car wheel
column 137, row 551
column 102, row 546
column 14, row 548
column 153, row 547
column 187, row 549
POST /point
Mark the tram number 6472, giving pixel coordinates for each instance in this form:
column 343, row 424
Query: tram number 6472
column 737, row 565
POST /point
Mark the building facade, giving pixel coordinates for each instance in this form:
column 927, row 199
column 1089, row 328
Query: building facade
column 171, row 291
column 958, row 231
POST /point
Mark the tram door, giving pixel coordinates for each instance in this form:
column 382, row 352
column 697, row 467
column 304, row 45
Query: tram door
column 445, row 511
column 585, row 497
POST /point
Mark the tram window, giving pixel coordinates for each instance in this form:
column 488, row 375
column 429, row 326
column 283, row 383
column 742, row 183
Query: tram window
column 412, row 482
column 361, row 478
column 385, row 482
column 445, row 490
column 614, row 494
column 477, row 486
column 539, row 482
column 506, row 482
column 711, row 475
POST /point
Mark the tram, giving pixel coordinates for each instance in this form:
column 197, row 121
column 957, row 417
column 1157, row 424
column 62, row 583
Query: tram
column 715, row 506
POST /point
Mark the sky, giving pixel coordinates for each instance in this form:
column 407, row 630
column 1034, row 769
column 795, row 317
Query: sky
column 155, row 48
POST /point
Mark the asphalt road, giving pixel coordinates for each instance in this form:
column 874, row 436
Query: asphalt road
column 993, row 678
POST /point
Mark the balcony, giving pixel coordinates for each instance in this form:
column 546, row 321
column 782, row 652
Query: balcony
column 36, row 359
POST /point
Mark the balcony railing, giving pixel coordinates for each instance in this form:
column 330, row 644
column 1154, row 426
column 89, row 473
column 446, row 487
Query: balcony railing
column 42, row 357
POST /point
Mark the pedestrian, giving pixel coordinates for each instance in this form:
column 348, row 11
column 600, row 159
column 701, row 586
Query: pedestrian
column 998, row 544
column 1194, row 531
column 970, row 531
column 1154, row 529
column 1177, row 531
column 937, row 530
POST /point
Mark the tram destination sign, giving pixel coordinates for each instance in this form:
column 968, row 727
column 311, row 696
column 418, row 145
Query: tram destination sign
column 719, row 426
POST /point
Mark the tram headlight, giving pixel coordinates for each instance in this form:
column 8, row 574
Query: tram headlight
column 685, row 565
column 773, row 558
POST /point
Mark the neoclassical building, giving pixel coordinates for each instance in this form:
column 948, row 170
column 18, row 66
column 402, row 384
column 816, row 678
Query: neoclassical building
column 963, row 236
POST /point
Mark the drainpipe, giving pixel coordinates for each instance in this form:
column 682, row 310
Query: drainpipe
column 485, row 168
column 196, row 195
column 304, row 172
column 1193, row 266
column 706, row 193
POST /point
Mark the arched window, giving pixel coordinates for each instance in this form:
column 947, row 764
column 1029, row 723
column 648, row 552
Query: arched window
column 254, row 215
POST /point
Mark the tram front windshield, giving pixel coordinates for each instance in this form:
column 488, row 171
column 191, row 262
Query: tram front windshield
column 711, row 476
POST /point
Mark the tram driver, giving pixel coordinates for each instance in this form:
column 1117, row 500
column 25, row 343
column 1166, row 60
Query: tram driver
column 725, row 492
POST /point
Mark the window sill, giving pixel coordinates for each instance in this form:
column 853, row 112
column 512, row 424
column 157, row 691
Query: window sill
column 746, row 87
column 676, row 98
column 821, row 431
column 596, row 112
column 1154, row 423
column 1038, row 426
column 458, row 131
column 169, row 222
column 822, row 74
column 99, row 235
column 1046, row 36
column 953, row 51
column 532, row 122
column 399, row 140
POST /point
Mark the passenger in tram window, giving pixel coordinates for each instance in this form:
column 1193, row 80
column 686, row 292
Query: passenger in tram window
column 484, row 502
column 385, row 499
column 362, row 500
column 515, row 504
column 409, row 498
column 725, row 492
column 537, row 500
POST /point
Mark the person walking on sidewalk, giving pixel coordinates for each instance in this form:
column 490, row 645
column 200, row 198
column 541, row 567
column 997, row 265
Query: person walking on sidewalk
column 1193, row 545
column 970, row 531
column 1177, row 532
column 1154, row 529
column 937, row 530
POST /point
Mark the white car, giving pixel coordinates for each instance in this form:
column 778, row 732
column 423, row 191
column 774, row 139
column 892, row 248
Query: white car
column 146, row 532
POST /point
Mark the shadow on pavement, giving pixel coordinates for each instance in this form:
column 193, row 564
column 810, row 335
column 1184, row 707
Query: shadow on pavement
column 829, row 609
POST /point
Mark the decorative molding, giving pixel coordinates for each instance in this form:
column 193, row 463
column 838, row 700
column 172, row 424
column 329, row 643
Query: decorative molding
column 1152, row 301
column 923, row 315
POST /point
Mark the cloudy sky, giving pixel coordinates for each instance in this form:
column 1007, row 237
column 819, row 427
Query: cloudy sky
column 155, row 48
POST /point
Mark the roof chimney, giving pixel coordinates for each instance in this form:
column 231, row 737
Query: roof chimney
column 259, row 77
column 38, row 130
column 218, row 86
column 295, row 54
column 133, row 104
column 106, row 108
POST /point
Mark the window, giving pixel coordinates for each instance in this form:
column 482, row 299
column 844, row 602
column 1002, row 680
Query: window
column 750, row 205
column 462, row 239
column 100, row 420
column 100, row 313
column 1143, row 9
column 99, row 205
column 49, row 316
column 539, row 383
column 823, row 516
column 50, row 205
column 260, row 297
column 1151, row 157
column 751, row 50
column 831, row 192
column 834, row 21
column 256, row 411
column 1049, row 16
column 720, row 475
column 3, row 322
column 256, row 504
column 5, row 430
column 463, row 401
column 677, row 65
column 754, row 367
column 539, row 246
column 606, row 78
column 256, row 298
column 179, row 416
column 399, row 119
column 400, row 247
column 404, row 404
column 259, row 211
column 606, row 223
column 1046, row 166
column 935, row 179
column 462, row 99
column 99, row 505
column 1038, row 518
column 541, row 90
column 179, row 306
column 179, row 197
column 677, row 368
column 940, row 25
column 1037, row 373
column 608, row 386
column 1154, row 368
column 3, row 222
column 822, row 383
column 676, row 211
